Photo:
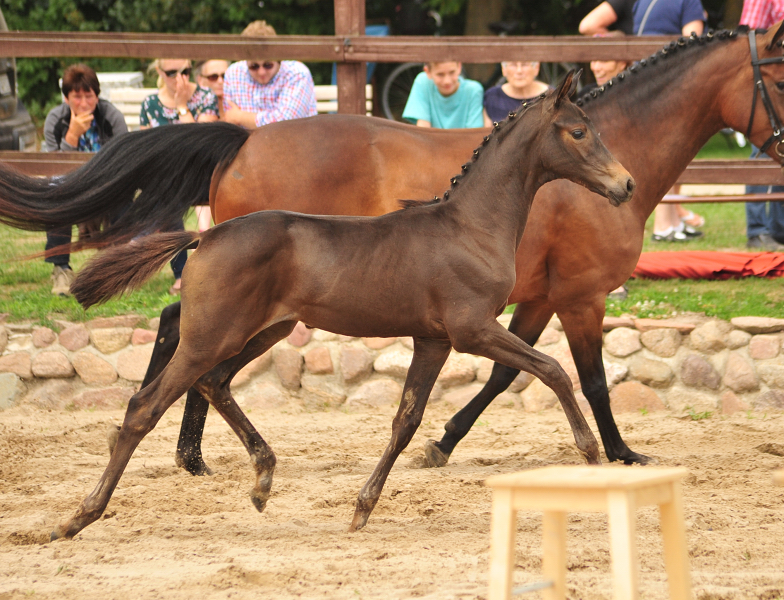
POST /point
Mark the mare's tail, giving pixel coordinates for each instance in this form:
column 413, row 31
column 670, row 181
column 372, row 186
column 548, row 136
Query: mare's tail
column 124, row 268
column 139, row 182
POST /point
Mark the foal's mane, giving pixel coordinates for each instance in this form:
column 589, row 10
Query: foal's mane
column 499, row 132
column 677, row 54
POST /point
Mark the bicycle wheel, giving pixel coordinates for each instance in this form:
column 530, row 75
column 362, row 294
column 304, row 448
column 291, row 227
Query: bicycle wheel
column 397, row 87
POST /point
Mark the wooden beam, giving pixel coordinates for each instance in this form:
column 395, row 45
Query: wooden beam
column 352, row 48
column 44, row 164
column 752, row 172
column 349, row 23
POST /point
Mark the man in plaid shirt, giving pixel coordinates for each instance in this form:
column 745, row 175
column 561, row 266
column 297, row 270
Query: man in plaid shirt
column 258, row 92
column 764, row 220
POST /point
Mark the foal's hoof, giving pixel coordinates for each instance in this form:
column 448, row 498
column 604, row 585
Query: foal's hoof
column 359, row 521
column 434, row 457
column 259, row 499
column 633, row 458
column 59, row 532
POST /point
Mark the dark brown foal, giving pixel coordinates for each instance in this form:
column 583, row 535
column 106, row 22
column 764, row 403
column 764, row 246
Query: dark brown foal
column 441, row 273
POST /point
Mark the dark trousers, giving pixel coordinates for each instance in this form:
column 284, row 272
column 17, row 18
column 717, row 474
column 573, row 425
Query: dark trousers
column 764, row 217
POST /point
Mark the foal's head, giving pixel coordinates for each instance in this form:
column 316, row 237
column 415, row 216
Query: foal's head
column 572, row 149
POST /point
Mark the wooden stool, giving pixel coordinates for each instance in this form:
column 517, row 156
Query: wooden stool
column 616, row 491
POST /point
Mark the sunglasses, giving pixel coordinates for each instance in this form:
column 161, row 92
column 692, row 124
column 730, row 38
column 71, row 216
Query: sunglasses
column 267, row 66
column 214, row 77
column 173, row 72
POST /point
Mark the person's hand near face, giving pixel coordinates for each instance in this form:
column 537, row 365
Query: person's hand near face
column 82, row 105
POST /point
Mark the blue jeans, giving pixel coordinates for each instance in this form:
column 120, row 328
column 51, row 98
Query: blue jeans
column 764, row 217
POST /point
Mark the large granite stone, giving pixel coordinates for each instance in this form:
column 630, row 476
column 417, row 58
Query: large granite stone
column 18, row 363
column 653, row 373
column 737, row 339
column 263, row 395
column 52, row 364
column 459, row 369
column 682, row 400
column 108, row 398
column 378, row 392
column 255, row 367
column 731, row 404
column 680, row 325
column 772, row 375
column 93, row 369
column 121, row 321
column 288, row 365
column 11, row 389
column 321, row 392
column 698, row 372
column 770, row 400
column 394, row 363
column 662, row 342
column 739, row 374
column 610, row 323
column 710, row 337
column 550, row 335
column 764, row 346
column 53, row 394
column 622, row 342
column 356, row 363
column 142, row 336
column 633, row 396
column 109, row 340
column 319, row 361
column 376, row 343
column 756, row 325
column 132, row 363
column 614, row 373
column 43, row 337
column 74, row 338
column 538, row 396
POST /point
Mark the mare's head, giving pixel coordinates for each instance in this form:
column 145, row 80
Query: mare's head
column 571, row 148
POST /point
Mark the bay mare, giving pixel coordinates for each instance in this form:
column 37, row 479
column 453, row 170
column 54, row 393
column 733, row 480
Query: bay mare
column 574, row 251
column 440, row 272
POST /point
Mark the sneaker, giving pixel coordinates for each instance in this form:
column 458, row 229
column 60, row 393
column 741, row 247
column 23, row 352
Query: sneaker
column 764, row 241
column 677, row 236
column 62, row 278
column 620, row 293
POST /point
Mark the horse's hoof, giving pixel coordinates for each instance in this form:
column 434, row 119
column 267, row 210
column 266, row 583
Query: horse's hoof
column 59, row 532
column 53, row 536
column 633, row 458
column 358, row 522
column 434, row 457
column 196, row 466
column 259, row 499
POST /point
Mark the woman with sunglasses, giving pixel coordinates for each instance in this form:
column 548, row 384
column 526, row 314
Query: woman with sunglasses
column 177, row 101
column 210, row 75
column 262, row 91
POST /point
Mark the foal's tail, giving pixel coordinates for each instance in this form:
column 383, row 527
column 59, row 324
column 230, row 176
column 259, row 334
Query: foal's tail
column 139, row 182
column 127, row 267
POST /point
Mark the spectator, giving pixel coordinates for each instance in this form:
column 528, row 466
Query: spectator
column 764, row 220
column 612, row 15
column 521, row 85
column 258, row 92
column 211, row 74
column 670, row 17
column 441, row 97
column 83, row 123
column 178, row 101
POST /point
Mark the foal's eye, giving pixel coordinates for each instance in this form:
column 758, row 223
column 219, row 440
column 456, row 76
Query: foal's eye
column 578, row 134
column 780, row 85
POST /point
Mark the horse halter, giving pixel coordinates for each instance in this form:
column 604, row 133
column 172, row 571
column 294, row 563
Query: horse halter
column 759, row 86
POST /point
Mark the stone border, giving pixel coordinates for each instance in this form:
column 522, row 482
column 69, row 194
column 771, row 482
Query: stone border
column 689, row 365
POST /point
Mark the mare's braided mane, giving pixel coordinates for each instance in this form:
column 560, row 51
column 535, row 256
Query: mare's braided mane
column 499, row 130
column 666, row 52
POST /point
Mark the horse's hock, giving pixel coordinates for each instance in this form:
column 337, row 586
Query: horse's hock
column 689, row 365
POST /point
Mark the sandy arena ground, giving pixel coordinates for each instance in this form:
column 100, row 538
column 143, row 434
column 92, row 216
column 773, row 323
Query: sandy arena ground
column 169, row 535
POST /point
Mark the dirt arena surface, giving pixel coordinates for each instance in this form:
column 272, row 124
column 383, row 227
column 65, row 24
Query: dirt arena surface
column 169, row 535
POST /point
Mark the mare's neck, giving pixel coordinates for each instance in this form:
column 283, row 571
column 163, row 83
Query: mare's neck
column 657, row 119
column 494, row 195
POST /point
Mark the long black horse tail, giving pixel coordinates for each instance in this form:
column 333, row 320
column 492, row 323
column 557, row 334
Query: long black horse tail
column 139, row 183
column 125, row 268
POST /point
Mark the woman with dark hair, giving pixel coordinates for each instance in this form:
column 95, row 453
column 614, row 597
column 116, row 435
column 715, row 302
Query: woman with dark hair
column 82, row 123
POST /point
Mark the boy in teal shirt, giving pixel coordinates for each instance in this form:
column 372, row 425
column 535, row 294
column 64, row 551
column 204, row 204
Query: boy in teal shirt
column 442, row 98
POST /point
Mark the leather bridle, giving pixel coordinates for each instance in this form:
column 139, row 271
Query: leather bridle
column 759, row 86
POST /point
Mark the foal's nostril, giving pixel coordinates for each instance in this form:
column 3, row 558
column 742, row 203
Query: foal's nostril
column 630, row 185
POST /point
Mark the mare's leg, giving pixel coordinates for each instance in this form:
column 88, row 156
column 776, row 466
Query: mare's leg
column 527, row 324
column 145, row 408
column 498, row 344
column 429, row 357
column 214, row 386
column 583, row 329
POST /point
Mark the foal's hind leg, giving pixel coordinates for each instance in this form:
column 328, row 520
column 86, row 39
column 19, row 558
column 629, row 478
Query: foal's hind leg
column 188, row 455
column 429, row 357
column 527, row 324
column 145, row 408
column 497, row 344
column 214, row 385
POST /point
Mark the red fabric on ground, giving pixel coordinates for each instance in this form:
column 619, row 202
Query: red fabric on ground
column 709, row 265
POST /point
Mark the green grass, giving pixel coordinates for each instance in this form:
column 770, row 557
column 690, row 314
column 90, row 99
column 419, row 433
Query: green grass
column 25, row 285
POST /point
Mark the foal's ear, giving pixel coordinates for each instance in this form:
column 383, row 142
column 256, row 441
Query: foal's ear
column 565, row 89
column 776, row 36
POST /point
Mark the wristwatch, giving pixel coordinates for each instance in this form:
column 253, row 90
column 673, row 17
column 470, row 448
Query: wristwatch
column 182, row 111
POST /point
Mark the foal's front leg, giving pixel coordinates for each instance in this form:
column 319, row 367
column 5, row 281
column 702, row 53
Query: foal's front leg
column 429, row 357
column 498, row 344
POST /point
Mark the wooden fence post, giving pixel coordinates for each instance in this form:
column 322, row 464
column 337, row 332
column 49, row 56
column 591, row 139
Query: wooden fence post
column 349, row 22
